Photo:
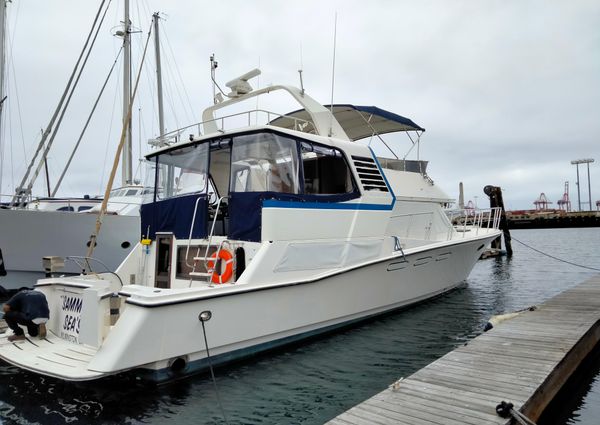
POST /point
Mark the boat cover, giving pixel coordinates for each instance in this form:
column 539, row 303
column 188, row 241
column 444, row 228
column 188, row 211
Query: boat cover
column 357, row 121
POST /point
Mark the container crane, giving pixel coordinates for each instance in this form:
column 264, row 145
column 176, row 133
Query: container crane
column 541, row 203
column 564, row 203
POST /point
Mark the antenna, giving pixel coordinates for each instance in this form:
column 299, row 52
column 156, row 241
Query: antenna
column 257, row 97
column 213, row 71
column 333, row 73
column 300, row 72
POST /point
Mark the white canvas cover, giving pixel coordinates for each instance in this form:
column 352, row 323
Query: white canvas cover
column 327, row 255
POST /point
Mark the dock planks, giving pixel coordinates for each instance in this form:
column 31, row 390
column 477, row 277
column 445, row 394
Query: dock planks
column 524, row 360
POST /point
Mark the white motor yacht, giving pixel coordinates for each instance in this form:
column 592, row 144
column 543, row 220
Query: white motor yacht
column 256, row 237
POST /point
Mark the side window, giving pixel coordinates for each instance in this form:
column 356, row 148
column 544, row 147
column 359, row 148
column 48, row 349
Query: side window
column 325, row 170
column 84, row 208
column 264, row 162
column 70, row 209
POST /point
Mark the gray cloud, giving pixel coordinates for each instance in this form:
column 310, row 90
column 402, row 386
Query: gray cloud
column 508, row 91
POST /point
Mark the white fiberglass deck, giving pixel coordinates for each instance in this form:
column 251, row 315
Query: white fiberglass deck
column 52, row 355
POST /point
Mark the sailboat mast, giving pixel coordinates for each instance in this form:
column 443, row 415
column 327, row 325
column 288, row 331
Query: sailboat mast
column 161, row 117
column 126, row 171
column 2, row 75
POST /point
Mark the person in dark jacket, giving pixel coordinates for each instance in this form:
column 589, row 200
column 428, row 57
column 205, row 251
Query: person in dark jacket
column 27, row 308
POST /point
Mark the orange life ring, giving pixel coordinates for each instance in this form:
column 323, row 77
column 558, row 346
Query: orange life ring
column 227, row 258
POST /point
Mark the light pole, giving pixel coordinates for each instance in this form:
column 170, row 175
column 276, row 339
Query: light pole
column 583, row 161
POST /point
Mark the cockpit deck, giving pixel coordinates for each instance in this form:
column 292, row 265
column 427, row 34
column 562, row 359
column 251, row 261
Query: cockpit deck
column 51, row 356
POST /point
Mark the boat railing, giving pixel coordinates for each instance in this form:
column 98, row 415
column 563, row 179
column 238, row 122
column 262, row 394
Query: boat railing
column 205, row 258
column 473, row 220
column 189, row 244
column 244, row 119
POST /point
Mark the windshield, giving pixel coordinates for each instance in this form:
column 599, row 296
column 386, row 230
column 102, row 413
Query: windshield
column 181, row 171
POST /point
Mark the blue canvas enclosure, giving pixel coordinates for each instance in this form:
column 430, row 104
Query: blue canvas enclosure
column 175, row 215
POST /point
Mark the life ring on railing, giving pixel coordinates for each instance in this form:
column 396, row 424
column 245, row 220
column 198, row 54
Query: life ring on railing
column 226, row 257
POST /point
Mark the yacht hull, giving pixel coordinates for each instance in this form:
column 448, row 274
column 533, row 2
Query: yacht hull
column 160, row 335
column 165, row 337
column 28, row 235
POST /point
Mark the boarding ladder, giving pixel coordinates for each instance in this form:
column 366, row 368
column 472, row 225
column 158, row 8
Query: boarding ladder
column 206, row 259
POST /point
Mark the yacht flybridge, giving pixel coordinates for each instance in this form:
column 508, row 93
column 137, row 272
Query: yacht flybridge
column 260, row 236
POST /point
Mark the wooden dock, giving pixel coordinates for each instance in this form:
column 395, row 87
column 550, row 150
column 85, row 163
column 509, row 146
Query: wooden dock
column 524, row 361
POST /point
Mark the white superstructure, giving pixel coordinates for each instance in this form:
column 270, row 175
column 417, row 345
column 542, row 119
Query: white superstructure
column 261, row 236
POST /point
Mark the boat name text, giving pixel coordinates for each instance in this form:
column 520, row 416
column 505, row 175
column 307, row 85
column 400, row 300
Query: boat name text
column 70, row 317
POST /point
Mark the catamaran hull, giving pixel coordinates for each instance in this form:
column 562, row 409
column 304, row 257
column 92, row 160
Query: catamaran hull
column 28, row 235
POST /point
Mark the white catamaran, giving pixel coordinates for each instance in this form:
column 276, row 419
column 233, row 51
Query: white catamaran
column 261, row 236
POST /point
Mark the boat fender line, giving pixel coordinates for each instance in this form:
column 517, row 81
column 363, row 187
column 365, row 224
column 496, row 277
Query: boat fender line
column 225, row 256
column 499, row 318
column 507, row 410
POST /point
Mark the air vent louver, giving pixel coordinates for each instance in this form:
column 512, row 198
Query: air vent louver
column 369, row 174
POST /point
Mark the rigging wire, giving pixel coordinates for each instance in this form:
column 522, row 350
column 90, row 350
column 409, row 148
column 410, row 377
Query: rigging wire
column 181, row 80
column 138, row 170
column 116, row 98
column 553, row 257
column 150, row 84
column 86, row 124
column 111, row 177
column 69, row 88
column 171, row 104
column 11, row 31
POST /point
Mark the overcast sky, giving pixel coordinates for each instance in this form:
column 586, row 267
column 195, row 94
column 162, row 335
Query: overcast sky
column 509, row 91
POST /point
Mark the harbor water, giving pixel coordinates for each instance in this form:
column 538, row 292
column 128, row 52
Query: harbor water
column 316, row 380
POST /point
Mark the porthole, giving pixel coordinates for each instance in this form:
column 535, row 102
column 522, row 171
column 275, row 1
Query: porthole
column 125, row 244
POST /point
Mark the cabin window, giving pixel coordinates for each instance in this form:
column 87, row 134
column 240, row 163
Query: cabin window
column 325, row 170
column 84, row 208
column 70, row 209
column 264, row 162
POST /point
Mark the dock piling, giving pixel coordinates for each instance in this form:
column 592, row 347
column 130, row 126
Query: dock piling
column 495, row 195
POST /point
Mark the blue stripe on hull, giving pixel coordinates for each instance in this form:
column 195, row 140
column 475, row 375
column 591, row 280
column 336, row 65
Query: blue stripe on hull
column 273, row 203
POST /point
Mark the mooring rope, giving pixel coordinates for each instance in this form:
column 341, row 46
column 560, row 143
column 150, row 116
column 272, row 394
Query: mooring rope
column 553, row 257
column 212, row 373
